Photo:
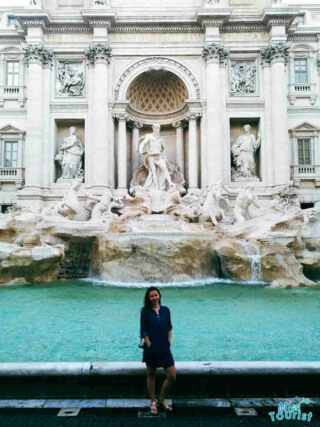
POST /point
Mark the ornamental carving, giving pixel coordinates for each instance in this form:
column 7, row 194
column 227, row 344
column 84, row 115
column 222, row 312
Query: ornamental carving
column 37, row 53
column 274, row 51
column 70, row 81
column 243, row 78
column 98, row 51
column 163, row 63
column 216, row 51
column 210, row 3
column 157, row 91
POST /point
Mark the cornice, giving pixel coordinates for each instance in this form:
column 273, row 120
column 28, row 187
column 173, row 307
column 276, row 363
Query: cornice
column 279, row 16
column 99, row 17
column 157, row 29
column 38, row 19
column 243, row 28
column 301, row 38
column 68, row 29
column 213, row 17
column 13, row 40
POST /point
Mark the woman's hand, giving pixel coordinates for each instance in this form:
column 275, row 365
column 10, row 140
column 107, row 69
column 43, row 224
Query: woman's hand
column 147, row 341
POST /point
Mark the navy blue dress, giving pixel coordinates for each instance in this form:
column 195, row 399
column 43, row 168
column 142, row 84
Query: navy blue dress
column 157, row 328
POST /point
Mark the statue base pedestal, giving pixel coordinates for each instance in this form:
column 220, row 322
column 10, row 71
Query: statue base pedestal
column 248, row 180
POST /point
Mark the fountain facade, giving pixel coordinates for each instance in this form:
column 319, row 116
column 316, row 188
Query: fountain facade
column 171, row 163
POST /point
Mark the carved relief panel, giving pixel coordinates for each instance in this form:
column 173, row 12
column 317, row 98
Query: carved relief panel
column 243, row 78
column 70, row 78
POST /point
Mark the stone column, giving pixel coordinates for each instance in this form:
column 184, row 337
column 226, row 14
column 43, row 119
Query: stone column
column 47, row 158
column 122, row 152
column 318, row 65
column 37, row 56
column 276, row 54
column 179, row 146
column 111, row 148
column 267, row 151
column 136, row 126
column 193, row 151
column 99, row 54
column 2, row 80
column 21, row 99
column 203, row 156
column 214, row 53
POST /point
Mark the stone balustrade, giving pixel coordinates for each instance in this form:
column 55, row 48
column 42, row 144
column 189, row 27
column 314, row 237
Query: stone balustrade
column 12, row 175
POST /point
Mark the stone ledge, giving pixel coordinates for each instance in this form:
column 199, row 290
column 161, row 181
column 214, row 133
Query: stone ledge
column 137, row 368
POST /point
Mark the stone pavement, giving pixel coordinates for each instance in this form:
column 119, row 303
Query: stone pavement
column 204, row 417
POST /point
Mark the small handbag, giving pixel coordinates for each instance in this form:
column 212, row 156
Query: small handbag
column 142, row 344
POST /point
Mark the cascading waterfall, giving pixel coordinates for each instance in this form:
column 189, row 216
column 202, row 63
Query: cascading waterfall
column 253, row 253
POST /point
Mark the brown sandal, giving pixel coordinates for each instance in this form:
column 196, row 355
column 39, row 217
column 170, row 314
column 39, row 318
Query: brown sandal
column 154, row 411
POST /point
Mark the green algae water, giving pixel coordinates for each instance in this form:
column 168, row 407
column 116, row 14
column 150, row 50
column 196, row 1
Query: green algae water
column 91, row 321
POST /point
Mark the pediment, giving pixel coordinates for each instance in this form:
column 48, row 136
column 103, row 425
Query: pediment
column 9, row 129
column 305, row 127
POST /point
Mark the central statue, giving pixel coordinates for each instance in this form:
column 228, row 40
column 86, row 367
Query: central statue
column 154, row 159
column 157, row 173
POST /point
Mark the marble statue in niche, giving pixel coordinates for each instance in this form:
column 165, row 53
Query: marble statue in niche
column 243, row 151
column 243, row 78
column 71, row 80
column 154, row 158
column 157, row 173
column 98, row 3
column 70, row 156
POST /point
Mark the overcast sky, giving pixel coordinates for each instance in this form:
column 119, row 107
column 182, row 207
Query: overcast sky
column 23, row 2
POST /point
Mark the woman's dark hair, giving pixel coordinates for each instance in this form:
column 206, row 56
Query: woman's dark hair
column 146, row 301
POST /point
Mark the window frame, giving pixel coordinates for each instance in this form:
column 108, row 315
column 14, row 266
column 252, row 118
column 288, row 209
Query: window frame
column 13, row 73
column 307, row 73
column 4, row 159
column 303, row 139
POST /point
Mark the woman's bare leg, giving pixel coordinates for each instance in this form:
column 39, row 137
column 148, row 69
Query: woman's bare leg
column 167, row 383
column 151, row 384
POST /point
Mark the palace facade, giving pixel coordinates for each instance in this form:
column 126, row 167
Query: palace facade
column 202, row 69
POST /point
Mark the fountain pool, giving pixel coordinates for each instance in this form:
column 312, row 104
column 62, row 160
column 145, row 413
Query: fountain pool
column 93, row 321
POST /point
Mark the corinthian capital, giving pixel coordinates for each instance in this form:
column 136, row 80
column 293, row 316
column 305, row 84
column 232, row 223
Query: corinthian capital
column 275, row 51
column 98, row 52
column 215, row 51
column 37, row 54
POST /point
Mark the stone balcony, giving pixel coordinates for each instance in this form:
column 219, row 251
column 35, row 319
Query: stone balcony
column 305, row 172
column 13, row 93
column 305, row 90
column 12, row 175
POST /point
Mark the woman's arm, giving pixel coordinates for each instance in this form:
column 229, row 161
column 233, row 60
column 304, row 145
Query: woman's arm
column 144, row 329
column 169, row 327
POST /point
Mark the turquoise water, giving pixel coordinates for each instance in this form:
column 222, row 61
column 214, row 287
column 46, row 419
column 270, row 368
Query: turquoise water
column 86, row 321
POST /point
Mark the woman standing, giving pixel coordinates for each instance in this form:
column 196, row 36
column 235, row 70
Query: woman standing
column 155, row 329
